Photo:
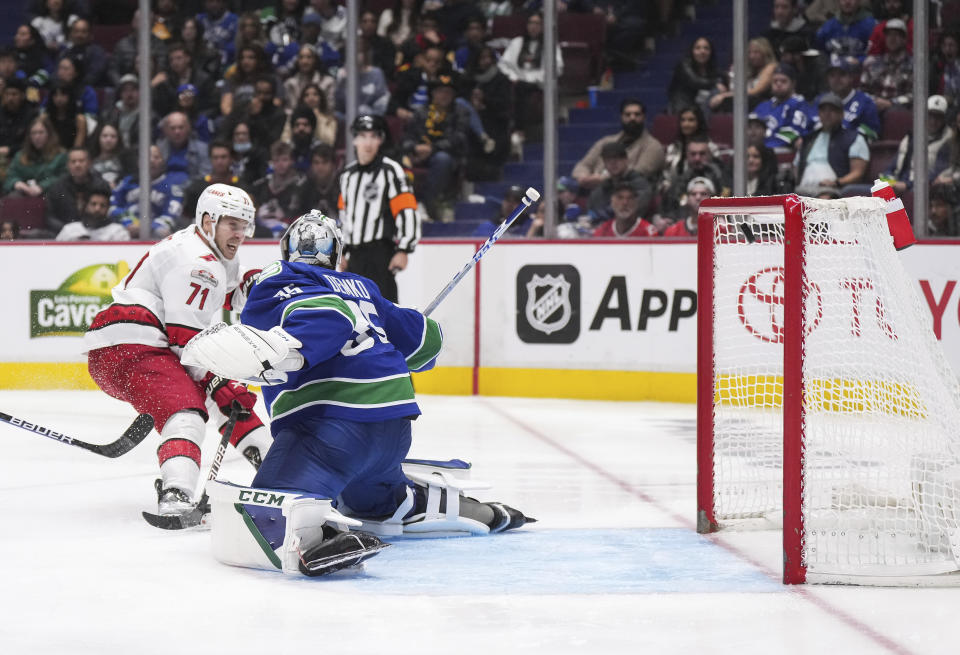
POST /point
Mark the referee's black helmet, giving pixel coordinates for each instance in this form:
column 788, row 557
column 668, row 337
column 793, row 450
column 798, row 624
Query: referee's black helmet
column 369, row 123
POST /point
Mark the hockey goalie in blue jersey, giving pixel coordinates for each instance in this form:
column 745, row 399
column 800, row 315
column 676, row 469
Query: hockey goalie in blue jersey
column 334, row 358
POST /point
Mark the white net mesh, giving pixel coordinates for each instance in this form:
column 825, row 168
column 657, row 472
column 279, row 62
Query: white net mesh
column 881, row 483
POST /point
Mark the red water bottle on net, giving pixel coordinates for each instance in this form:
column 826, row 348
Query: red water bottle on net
column 897, row 220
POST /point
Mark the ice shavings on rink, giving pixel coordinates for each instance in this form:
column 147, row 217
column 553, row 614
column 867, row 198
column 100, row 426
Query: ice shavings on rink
column 559, row 562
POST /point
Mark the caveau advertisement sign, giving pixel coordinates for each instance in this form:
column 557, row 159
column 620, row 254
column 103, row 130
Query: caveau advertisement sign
column 569, row 305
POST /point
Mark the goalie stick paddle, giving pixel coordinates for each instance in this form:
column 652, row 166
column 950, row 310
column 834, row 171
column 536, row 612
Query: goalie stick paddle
column 133, row 435
column 530, row 197
column 194, row 517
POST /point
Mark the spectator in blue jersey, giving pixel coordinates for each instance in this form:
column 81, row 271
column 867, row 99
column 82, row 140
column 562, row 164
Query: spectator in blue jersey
column 181, row 152
column 310, row 34
column 846, row 35
column 939, row 137
column 859, row 109
column 832, row 156
column 219, row 29
column 166, row 199
column 786, row 114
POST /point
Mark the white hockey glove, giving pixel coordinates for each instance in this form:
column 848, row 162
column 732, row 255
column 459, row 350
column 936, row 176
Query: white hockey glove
column 241, row 352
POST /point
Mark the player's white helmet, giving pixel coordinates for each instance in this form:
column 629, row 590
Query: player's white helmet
column 314, row 238
column 224, row 200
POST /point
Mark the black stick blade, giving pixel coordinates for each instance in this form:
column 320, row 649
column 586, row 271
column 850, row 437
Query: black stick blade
column 135, row 434
column 174, row 522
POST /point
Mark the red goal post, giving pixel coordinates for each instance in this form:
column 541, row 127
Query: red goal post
column 824, row 400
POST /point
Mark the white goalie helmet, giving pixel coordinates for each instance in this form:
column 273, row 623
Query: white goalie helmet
column 219, row 200
column 314, row 238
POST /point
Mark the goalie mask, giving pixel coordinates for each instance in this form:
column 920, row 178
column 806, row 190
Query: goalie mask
column 313, row 239
column 220, row 200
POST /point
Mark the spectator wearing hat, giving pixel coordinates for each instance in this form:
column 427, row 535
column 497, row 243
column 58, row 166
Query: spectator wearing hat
column 436, row 138
column 180, row 70
column 859, row 109
column 614, row 156
column 892, row 9
column 645, row 153
column 125, row 112
column 889, row 77
column 806, row 61
column 685, row 224
column 334, row 17
column 16, row 114
column 787, row 21
column 900, row 172
column 786, row 114
column 847, row 34
column 832, row 155
column 204, row 125
column 627, row 221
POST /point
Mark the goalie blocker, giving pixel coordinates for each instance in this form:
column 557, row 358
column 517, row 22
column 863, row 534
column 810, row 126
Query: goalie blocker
column 303, row 534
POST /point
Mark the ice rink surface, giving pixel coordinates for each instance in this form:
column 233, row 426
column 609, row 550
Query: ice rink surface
column 613, row 566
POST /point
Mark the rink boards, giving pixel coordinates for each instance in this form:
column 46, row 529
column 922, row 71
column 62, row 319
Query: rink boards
column 574, row 319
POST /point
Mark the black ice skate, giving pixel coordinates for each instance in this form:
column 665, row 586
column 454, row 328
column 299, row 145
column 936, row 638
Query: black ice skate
column 339, row 550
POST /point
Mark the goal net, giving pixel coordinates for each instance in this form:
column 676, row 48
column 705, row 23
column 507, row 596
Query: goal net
column 825, row 403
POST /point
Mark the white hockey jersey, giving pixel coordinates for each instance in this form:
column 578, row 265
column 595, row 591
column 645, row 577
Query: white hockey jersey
column 177, row 289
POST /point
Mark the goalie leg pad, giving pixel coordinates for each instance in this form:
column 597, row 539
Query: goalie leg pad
column 268, row 528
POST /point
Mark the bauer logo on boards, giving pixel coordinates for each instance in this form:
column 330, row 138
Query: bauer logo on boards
column 548, row 304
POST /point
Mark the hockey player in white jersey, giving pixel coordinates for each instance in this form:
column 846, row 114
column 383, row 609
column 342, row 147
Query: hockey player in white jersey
column 134, row 345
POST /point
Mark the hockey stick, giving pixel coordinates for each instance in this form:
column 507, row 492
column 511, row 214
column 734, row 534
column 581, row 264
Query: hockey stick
column 133, row 435
column 530, row 197
column 195, row 516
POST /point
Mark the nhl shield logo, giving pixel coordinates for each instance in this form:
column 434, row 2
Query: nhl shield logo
column 548, row 304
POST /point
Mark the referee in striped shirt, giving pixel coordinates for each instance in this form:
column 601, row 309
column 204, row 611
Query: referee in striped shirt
column 378, row 212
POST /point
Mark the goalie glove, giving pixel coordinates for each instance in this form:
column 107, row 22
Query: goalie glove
column 241, row 352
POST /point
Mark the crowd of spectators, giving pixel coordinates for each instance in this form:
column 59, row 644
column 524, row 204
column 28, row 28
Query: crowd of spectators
column 254, row 94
